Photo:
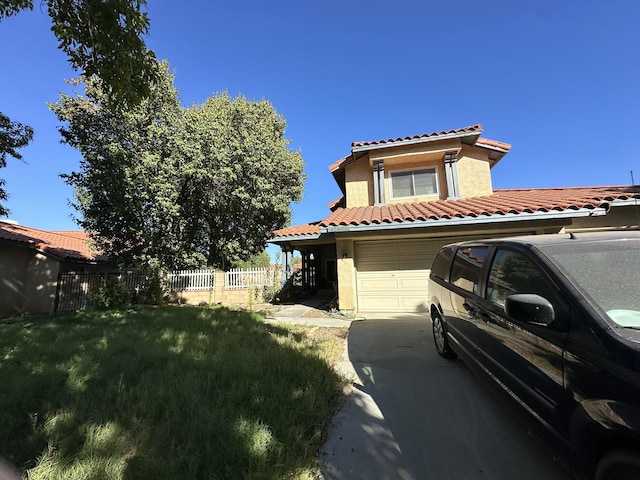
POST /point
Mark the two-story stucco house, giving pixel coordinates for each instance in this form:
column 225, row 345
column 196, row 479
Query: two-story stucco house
column 406, row 197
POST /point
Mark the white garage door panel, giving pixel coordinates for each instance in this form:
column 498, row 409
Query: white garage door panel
column 374, row 284
column 404, row 303
column 393, row 276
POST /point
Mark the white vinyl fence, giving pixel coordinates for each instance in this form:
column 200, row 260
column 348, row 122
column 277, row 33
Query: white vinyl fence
column 73, row 289
column 237, row 278
column 205, row 279
column 192, row 280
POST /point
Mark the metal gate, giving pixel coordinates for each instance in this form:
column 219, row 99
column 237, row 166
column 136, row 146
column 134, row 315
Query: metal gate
column 73, row 288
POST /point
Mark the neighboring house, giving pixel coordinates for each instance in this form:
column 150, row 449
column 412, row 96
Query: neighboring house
column 30, row 262
column 406, row 197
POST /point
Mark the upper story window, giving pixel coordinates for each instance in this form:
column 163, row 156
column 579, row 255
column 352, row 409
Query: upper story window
column 414, row 183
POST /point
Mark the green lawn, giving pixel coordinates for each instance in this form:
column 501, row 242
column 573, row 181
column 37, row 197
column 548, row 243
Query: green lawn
column 165, row 393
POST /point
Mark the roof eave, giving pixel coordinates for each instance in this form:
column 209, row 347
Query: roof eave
column 469, row 220
column 414, row 141
column 294, row 238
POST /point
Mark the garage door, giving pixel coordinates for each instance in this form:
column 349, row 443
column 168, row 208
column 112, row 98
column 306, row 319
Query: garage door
column 392, row 276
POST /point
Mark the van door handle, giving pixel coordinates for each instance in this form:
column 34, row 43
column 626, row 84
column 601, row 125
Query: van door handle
column 468, row 308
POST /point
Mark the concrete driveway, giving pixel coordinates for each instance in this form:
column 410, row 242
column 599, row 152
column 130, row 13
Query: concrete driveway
column 414, row 415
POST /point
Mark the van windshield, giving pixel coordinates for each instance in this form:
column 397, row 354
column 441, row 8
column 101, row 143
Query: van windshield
column 608, row 273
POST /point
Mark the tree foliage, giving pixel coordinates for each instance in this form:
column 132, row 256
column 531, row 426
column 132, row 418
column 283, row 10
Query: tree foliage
column 13, row 135
column 129, row 181
column 260, row 260
column 242, row 175
column 102, row 38
column 164, row 185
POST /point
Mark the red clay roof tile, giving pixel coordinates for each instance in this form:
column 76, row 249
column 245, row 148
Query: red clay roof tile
column 472, row 129
column 502, row 202
column 62, row 244
column 336, row 165
column 308, row 229
column 493, row 143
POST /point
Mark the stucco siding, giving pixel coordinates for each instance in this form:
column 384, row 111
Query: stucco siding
column 346, row 275
column 27, row 281
column 41, row 283
column 13, row 267
column 619, row 217
column 474, row 177
column 359, row 188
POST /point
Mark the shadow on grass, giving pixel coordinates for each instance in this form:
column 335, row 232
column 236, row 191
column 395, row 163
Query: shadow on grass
column 162, row 393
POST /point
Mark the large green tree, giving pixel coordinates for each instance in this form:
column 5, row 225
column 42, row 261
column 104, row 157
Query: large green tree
column 13, row 135
column 242, row 175
column 178, row 187
column 102, row 38
column 129, row 182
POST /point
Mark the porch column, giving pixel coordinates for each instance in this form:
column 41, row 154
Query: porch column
column 287, row 268
column 345, row 253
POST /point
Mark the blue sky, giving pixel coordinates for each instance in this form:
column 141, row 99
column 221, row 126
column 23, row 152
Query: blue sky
column 558, row 80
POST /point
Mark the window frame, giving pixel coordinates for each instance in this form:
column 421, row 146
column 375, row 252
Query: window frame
column 433, row 170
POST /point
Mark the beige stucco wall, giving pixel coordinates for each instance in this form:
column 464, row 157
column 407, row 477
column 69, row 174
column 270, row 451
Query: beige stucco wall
column 28, row 281
column 619, row 218
column 41, row 284
column 358, row 184
column 474, row 174
column 473, row 169
column 13, row 271
column 346, row 275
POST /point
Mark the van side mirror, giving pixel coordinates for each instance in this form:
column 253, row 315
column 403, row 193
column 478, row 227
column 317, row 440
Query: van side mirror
column 530, row 308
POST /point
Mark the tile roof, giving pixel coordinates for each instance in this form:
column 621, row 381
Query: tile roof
column 338, row 202
column 501, row 203
column 485, row 142
column 472, row 130
column 458, row 131
column 65, row 245
column 340, row 163
column 305, row 230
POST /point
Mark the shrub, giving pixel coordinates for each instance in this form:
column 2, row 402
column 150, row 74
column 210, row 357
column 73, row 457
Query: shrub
column 154, row 292
column 109, row 294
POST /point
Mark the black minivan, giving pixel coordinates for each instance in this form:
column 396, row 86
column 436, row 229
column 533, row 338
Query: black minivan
column 553, row 322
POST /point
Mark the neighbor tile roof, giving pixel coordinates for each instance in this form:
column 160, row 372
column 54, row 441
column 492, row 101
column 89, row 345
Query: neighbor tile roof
column 62, row 244
column 502, row 202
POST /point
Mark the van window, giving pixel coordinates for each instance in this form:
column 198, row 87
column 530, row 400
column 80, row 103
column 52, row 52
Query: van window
column 467, row 268
column 442, row 263
column 513, row 272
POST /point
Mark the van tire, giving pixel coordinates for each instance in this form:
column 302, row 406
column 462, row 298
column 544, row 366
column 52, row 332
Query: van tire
column 440, row 337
